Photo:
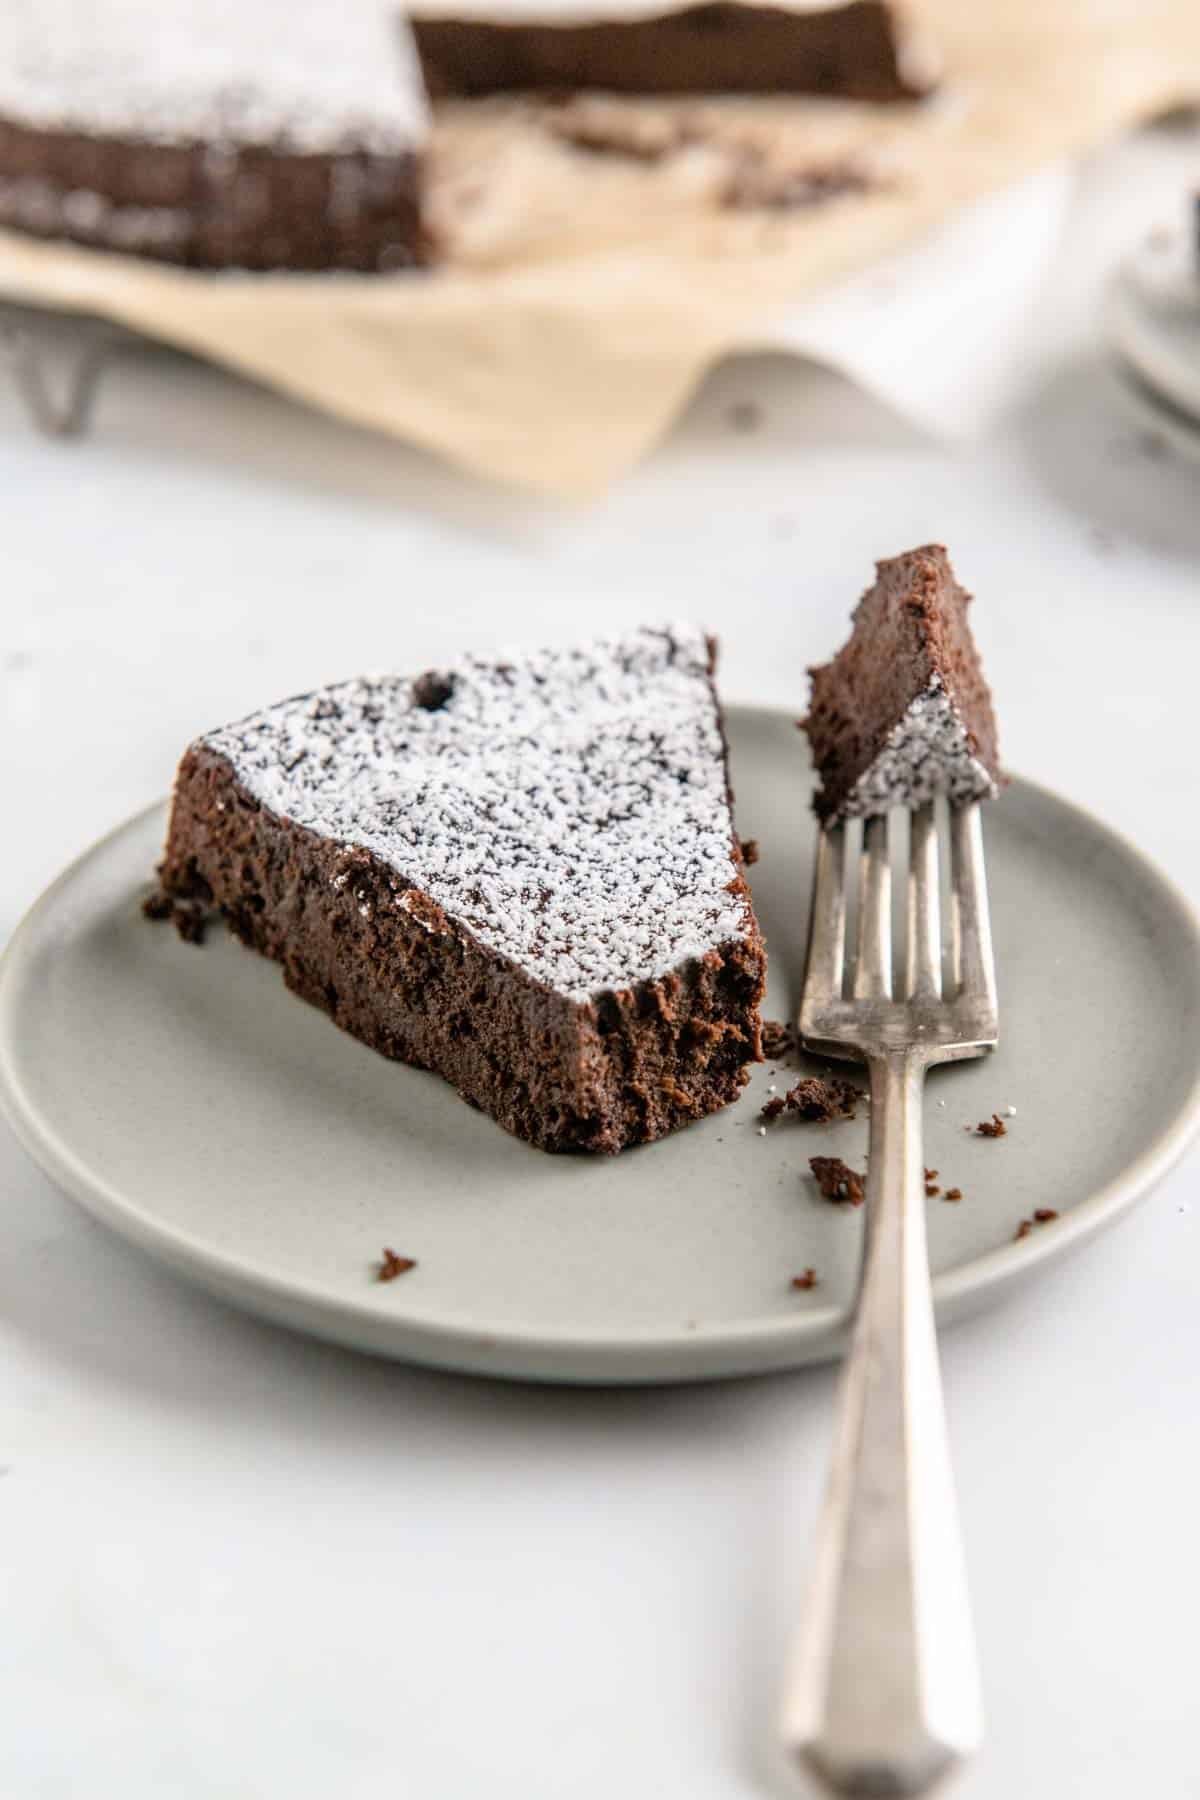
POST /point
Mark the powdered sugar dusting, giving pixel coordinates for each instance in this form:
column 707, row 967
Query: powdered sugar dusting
column 568, row 807
column 299, row 74
column 926, row 753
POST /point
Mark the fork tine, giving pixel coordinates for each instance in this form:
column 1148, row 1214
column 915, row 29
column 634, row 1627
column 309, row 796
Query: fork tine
column 924, row 915
column 826, row 952
column 974, row 968
column 873, row 963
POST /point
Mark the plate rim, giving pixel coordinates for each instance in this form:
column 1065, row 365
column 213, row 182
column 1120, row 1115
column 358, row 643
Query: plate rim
column 561, row 1353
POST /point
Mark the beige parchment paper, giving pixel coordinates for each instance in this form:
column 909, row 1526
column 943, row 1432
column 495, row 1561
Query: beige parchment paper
column 584, row 295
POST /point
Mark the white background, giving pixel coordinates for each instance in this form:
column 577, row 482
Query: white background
column 235, row 1563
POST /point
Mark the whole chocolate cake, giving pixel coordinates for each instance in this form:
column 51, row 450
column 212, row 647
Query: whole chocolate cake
column 257, row 134
column 858, row 50
column 521, row 874
column 903, row 711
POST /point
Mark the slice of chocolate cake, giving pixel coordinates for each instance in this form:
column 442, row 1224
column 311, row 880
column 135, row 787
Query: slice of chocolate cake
column 860, row 50
column 256, row 134
column 903, row 711
column 523, row 875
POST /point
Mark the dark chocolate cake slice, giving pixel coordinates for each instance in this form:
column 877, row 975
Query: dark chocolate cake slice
column 522, row 874
column 903, row 711
column 860, row 50
column 255, row 134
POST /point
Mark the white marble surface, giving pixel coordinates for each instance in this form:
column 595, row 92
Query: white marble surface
column 239, row 1564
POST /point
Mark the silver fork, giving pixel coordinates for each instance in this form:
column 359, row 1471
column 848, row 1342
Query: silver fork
column 884, row 1694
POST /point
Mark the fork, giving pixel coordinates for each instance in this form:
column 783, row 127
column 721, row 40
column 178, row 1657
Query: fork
column 883, row 1697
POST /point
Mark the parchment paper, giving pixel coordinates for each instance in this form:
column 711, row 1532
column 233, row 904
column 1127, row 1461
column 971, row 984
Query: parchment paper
column 587, row 294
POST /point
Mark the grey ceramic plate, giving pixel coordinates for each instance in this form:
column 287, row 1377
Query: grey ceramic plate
column 193, row 1104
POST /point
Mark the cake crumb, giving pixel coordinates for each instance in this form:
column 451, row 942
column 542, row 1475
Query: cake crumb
column 932, row 1190
column 1043, row 1215
column 990, row 1128
column 803, row 1283
column 749, row 851
column 818, row 1100
column 190, row 923
column 836, row 1181
column 189, row 919
column 931, row 1174
column 1023, row 1230
column 772, row 1109
column 777, row 1039
column 392, row 1265
column 952, row 1194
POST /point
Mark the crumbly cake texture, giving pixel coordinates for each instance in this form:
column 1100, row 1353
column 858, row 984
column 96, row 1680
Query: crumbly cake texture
column 259, row 134
column 861, row 50
column 903, row 712
column 522, row 874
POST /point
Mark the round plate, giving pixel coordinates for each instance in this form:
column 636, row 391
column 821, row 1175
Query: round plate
column 188, row 1100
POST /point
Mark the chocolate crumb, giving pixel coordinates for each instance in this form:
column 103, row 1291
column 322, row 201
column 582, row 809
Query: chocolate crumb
column 191, row 923
column 991, row 1128
column 803, row 1283
column 931, row 1174
column 773, row 1108
column 1042, row 1216
column 818, row 1101
column 190, row 920
column 836, row 1181
column 777, row 1039
column 952, row 1194
column 932, row 1190
column 392, row 1265
column 749, row 851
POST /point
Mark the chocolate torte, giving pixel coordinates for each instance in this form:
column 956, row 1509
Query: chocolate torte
column 522, row 874
column 903, row 711
column 860, row 50
column 256, row 134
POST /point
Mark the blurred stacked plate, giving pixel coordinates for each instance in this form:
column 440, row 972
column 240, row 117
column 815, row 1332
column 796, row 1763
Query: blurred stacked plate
column 1154, row 326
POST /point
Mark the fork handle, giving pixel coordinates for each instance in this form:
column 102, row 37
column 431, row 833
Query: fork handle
column 884, row 1696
